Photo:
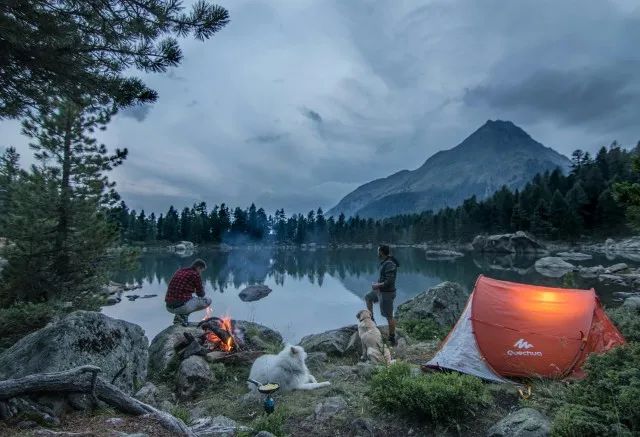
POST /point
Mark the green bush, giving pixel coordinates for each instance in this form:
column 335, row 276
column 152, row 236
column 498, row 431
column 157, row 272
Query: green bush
column 181, row 413
column 273, row 423
column 21, row 319
column 441, row 398
column 628, row 322
column 425, row 329
column 606, row 400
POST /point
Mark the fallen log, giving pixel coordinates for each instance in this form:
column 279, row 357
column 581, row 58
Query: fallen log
column 84, row 379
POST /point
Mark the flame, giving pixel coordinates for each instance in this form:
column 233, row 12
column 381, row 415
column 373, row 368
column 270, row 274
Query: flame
column 207, row 313
column 217, row 342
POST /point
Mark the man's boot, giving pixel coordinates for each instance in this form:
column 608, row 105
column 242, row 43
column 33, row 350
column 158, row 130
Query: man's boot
column 392, row 340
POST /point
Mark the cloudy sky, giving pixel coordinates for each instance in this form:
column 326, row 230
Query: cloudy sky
column 297, row 102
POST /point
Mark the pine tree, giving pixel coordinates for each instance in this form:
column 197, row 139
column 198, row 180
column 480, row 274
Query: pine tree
column 68, row 47
column 72, row 171
column 9, row 178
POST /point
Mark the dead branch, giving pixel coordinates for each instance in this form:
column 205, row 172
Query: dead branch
column 84, row 379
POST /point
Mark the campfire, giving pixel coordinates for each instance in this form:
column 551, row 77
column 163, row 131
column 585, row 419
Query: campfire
column 221, row 339
column 218, row 334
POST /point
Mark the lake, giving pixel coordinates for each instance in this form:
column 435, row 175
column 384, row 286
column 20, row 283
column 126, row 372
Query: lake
column 317, row 290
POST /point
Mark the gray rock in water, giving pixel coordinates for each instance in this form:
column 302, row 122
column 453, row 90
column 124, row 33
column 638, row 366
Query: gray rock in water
column 443, row 304
column 574, row 256
column 553, row 267
column 444, row 254
column 219, row 426
column 254, row 292
column 194, row 375
column 119, row 348
column 525, row 422
column 518, row 242
column 632, row 302
column 149, row 394
column 334, row 342
column 591, row 272
column 616, row 268
column 329, row 408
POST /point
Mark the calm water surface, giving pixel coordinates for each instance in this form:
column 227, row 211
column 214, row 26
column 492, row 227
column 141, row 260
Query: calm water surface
column 314, row 291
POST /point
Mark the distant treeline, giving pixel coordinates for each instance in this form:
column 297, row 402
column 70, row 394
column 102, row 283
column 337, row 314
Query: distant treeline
column 553, row 205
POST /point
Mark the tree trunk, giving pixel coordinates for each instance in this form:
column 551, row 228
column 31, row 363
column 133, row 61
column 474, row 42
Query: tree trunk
column 84, row 379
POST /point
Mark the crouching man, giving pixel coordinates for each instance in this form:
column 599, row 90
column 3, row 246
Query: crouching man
column 179, row 298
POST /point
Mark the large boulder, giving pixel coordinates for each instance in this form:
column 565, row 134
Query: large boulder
column 335, row 342
column 194, row 375
column 553, row 267
column 443, row 304
column 518, row 242
column 119, row 348
column 162, row 351
column 525, row 422
column 329, row 407
column 219, row 426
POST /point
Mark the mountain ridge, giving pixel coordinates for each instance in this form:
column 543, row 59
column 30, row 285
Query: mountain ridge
column 449, row 176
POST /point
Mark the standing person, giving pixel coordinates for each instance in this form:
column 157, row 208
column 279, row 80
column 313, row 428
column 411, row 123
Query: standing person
column 179, row 298
column 384, row 291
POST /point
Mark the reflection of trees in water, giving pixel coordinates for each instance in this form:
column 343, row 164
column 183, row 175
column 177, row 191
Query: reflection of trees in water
column 355, row 268
column 239, row 268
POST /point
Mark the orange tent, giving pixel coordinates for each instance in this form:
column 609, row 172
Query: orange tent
column 517, row 330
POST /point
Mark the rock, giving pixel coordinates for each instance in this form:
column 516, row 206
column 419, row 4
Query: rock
column 162, row 349
column 182, row 246
column 193, row 376
column 254, row 292
column 329, row 408
column 112, row 300
column 611, row 278
column 591, row 272
column 119, row 348
column 443, row 304
column 553, row 266
column 219, row 426
column 632, row 302
column 518, row 242
column 574, row 256
column 362, row 428
column 148, row 394
column 114, row 421
column 334, row 342
column 264, row 434
column 628, row 245
column 616, row 268
column 443, row 254
column 316, row 359
column 166, row 406
column 525, row 422
column 27, row 424
column 610, row 245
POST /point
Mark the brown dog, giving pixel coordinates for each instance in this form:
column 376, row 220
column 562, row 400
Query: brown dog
column 373, row 348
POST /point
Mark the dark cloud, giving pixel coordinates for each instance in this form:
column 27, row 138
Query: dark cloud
column 603, row 95
column 138, row 112
column 312, row 115
column 267, row 138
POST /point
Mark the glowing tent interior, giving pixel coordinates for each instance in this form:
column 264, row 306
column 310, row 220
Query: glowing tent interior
column 517, row 330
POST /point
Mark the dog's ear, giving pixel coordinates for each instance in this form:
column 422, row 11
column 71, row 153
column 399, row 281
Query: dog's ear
column 359, row 314
column 294, row 351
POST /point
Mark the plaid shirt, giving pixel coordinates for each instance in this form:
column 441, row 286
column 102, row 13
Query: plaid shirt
column 184, row 283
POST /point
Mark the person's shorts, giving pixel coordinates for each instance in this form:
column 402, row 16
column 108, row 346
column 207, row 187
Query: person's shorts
column 385, row 298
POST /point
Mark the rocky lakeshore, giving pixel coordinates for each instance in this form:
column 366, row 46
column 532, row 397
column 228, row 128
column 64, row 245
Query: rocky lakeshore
column 201, row 393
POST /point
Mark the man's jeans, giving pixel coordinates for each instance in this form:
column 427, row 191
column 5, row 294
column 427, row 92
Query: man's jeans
column 196, row 303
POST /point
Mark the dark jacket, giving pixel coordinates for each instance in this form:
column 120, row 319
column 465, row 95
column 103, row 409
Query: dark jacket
column 388, row 269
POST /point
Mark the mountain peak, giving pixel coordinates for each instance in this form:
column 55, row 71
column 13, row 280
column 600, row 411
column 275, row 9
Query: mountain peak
column 501, row 127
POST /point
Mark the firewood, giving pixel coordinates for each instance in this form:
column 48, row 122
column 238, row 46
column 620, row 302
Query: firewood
column 84, row 379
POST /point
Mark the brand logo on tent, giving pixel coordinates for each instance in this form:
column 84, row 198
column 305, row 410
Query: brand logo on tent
column 523, row 345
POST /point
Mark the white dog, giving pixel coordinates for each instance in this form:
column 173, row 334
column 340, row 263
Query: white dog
column 287, row 369
column 373, row 348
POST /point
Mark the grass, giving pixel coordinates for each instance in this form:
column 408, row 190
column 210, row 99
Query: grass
column 182, row 413
column 439, row 398
column 423, row 329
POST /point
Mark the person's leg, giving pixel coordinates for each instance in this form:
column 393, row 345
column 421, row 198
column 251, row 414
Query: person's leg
column 370, row 298
column 194, row 304
column 386, row 308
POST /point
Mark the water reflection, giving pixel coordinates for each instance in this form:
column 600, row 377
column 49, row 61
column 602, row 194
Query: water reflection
column 320, row 289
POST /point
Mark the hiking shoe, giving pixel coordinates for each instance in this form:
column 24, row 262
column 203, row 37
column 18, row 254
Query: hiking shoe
column 392, row 340
column 181, row 319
